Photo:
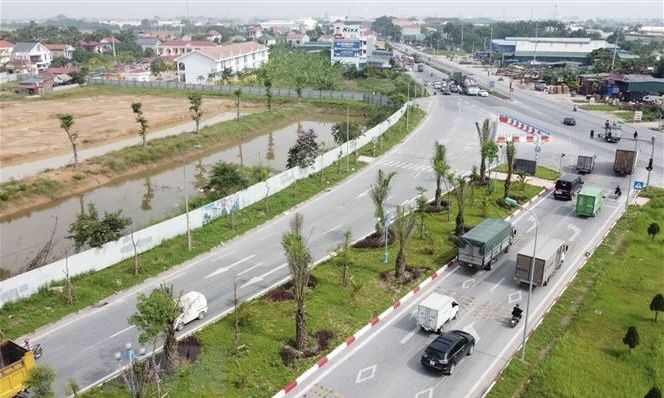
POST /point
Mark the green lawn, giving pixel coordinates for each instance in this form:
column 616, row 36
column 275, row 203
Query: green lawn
column 578, row 350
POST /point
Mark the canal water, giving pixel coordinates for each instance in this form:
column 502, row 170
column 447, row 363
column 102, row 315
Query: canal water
column 146, row 198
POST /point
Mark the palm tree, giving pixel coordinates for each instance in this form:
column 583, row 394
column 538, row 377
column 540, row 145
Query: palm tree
column 379, row 192
column 484, row 134
column 403, row 228
column 440, row 168
column 66, row 123
column 299, row 260
column 510, row 153
column 459, row 183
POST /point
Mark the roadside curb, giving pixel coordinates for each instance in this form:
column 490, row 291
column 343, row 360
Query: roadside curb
column 352, row 339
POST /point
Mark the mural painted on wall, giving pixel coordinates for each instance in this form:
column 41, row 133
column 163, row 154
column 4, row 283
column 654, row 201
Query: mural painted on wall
column 220, row 208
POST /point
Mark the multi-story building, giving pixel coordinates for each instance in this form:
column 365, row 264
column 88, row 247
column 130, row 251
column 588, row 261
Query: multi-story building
column 34, row 53
column 61, row 50
column 180, row 47
column 352, row 44
column 209, row 63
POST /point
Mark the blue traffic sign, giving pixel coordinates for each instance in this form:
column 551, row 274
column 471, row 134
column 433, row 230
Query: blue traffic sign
column 638, row 185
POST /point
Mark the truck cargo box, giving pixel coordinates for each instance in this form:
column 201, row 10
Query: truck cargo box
column 588, row 201
column 434, row 311
column 624, row 159
column 585, row 163
column 481, row 246
column 549, row 256
column 16, row 363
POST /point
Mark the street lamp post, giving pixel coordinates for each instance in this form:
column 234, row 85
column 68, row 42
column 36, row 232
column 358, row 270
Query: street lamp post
column 513, row 202
column 560, row 163
column 387, row 230
column 131, row 357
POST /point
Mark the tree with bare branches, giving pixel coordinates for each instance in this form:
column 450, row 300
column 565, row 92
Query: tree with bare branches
column 66, row 123
column 298, row 256
column 143, row 123
column 403, row 228
column 379, row 192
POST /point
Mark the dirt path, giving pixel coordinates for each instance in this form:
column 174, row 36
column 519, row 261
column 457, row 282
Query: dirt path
column 30, row 130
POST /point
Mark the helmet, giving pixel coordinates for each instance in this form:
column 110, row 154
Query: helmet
column 517, row 305
column 26, row 341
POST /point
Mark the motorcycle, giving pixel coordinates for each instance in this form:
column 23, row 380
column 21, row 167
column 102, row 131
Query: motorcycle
column 36, row 349
column 514, row 321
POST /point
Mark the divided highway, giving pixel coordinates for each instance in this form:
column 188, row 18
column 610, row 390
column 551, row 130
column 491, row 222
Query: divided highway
column 256, row 260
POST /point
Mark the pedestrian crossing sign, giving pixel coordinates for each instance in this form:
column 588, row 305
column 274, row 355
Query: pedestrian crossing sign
column 638, row 185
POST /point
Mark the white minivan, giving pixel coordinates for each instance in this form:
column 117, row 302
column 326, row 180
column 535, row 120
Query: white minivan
column 193, row 305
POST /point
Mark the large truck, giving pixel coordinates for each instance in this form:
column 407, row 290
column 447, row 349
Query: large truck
column 549, row 257
column 588, row 201
column 625, row 159
column 16, row 362
column 480, row 247
column 585, row 163
column 420, row 67
column 436, row 310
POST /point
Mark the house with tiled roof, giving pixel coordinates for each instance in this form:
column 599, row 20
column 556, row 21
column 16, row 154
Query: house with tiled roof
column 61, row 50
column 295, row 39
column 208, row 63
column 109, row 44
column 5, row 51
column 255, row 32
column 267, row 39
column 90, row 46
column 148, row 42
column 181, row 47
column 35, row 53
column 214, row 36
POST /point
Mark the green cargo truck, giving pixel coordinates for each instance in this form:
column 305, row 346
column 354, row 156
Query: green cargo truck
column 480, row 247
column 588, row 201
column 15, row 365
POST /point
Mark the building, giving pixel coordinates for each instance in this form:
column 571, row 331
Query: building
column 209, row 63
column 214, row 36
column 35, row 54
column 353, row 43
column 90, row 46
column 547, row 49
column 267, row 40
column 296, row 39
column 148, row 42
column 61, row 50
column 626, row 87
column 5, row 51
column 180, row 47
column 109, row 44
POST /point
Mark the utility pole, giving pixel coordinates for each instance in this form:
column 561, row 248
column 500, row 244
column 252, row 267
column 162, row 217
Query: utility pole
column 652, row 155
column 347, row 138
column 615, row 49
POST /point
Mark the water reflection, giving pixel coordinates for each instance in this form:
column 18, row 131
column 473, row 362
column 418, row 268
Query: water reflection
column 148, row 198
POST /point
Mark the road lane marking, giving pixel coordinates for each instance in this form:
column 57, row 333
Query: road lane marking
column 331, row 229
column 249, row 269
column 365, row 374
column 409, row 335
column 497, row 284
column 259, row 278
column 224, row 269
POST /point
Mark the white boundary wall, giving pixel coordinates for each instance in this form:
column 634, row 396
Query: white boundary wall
column 111, row 253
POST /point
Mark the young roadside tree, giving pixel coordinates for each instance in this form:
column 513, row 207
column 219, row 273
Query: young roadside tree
column 267, row 82
column 459, row 183
column 299, row 260
column 484, row 134
column 304, row 152
column 345, row 131
column 137, row 108
column 510, row 153
column 653, row 229
column 403, row 228
column 490, row 153
column 421, row 203
column 343, row 251
column 155, row 317
column 657, row 304
column 379, row 192
column 196, row 109
column 654, row 393
column 440, row 167
column 66, row 123
column 225, row 179
column 40, row 381
column 91, row 230
column 237, row 94
column 631, row 338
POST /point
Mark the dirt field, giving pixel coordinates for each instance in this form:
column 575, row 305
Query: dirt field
column 31, row 130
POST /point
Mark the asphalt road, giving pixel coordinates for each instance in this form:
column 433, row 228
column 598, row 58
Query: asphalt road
column 256, row 259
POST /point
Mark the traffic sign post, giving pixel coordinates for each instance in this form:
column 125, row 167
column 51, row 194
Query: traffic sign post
column 638, row 185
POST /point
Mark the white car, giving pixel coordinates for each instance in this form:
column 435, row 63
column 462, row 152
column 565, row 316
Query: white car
column 483, row 93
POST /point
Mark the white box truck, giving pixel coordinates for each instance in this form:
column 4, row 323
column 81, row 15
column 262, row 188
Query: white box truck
column 436, row 310
column 549, row 257
column 193, row 305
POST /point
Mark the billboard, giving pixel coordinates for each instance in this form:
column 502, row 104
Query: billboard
column 347, row 48
column 342, row 31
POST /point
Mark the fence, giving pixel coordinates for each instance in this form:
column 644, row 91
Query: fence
column 374, row 99
column 111, row 253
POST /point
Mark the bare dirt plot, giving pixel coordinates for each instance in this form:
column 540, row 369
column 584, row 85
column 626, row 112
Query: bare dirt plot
column 31, row 130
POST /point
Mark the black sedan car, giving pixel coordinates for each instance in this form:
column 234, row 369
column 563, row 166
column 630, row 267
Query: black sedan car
column 447, row 350
column 569, row 121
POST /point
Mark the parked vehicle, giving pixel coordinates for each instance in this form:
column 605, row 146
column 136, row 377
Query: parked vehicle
column 540, row 85
column 589, row 201
column 16, row 362
column 585, row 163
column 193, row 305
column 480, row 247
column 436, row 310
column 549, row 257
column 445, row 352
column 483, row 93
column 569, row 121
column 625, row 159
column 567, row 186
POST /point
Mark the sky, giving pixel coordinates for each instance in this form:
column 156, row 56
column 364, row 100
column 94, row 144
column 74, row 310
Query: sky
column 636, row 10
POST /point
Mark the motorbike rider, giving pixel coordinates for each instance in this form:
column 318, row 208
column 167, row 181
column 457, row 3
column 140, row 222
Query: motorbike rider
column 618, row 192
column 27, row 344
column 574, row 108
column 516, row 311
